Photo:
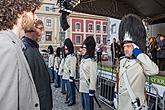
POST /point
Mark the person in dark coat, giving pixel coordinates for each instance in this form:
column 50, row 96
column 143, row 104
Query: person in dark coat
column 37, row 65
column 161, row 52
column 115, row 51
column 152, row 49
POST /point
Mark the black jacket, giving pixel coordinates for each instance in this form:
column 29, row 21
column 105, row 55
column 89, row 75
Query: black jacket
column 39, row 73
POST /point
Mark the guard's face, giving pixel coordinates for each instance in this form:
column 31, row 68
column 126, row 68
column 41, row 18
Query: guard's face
column 128, row 49
column 83, row 50
column 66, row 50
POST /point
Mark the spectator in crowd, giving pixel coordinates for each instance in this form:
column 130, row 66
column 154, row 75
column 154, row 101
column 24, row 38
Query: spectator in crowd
column 152, row 49
column 17, row 88
column 51, row 63
column 134, row 66
column 161, row 52
column 56, row 67
column 115, row 51
column 37, row 65
column 99, row 52
column 70, row 71
column 88, row 74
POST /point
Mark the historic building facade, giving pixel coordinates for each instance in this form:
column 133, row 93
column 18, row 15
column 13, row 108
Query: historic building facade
column 81, row 26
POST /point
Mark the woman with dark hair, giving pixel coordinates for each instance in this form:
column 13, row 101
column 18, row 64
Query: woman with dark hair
column 88, row 75
column 70, row 71
column 51, row 62
column 152, row 49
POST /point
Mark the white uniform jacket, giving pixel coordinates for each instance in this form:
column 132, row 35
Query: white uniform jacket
column 88, row 75
column 51, row 60
column 17, row 88
column 57, row 61
column 136, row 71
column 61, row 68
column 69, row 67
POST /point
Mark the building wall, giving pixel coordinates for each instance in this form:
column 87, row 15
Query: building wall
column 85, row 20
column 113, row 29
column 156, row 29
column 49, row 14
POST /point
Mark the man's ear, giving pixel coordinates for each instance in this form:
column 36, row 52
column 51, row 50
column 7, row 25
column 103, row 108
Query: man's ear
column 22, row 14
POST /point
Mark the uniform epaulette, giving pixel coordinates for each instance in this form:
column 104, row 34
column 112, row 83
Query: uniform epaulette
column 121, row 57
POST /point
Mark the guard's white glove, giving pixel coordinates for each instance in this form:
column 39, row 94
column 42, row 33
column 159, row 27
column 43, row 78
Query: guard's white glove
column 71, row 79
column 91, row 93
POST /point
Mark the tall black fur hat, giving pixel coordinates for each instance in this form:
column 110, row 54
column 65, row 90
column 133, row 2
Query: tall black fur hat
column 131, row 29
column 90, row 45
column 50, row 49
column 58, row 50
column 68, row 43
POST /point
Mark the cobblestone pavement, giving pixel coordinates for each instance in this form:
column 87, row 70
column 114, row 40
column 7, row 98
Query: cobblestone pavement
column 59, row 99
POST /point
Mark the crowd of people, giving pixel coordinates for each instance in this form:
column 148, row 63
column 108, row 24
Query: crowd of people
column 25, row 79
column 156, row 50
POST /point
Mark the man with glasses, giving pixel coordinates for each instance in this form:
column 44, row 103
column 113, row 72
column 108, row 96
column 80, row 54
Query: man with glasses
column 17, row 88
column 37, row 65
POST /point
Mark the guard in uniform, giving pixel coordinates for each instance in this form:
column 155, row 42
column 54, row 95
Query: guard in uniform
column 57, row 61
column 88, row 74
column 51, row 63
column 135, row 66
column 63, row 81
column 70, row 71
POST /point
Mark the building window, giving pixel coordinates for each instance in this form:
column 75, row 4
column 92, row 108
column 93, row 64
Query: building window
column 78, row 26
column 78, row 39
column 97, row 39
column 104, row 40
column 48, row 22
column 90, row 27
column 97, row 28
column 113, row 29
column 48, row 36
column 104, row 28
column 46, row 8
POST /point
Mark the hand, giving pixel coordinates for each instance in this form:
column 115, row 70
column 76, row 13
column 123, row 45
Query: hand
column 91, row 93
column 136, row 50
column 71, row 79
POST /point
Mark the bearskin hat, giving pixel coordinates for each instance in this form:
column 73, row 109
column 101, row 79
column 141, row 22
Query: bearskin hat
column 50, row 49
column 58, row 50
column 131, row 29
column 68, row 43
column 90, row 45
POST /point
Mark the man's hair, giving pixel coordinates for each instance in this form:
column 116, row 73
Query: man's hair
column 10, row 9
column 39, row 22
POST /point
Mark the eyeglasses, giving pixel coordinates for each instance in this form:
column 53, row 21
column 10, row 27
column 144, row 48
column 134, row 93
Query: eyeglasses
column 40, row 28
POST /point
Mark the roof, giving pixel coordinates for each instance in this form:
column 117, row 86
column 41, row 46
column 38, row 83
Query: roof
column 152, row 9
